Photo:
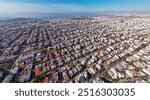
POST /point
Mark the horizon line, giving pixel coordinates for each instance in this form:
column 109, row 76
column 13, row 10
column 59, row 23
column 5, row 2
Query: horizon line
column 77, row 14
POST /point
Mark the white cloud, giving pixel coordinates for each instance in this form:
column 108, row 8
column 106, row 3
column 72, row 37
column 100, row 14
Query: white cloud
column 34, row 10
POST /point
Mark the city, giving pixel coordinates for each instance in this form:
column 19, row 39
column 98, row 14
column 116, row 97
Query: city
column 100, row 49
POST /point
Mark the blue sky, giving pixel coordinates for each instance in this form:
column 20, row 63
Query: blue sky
column 43, row 8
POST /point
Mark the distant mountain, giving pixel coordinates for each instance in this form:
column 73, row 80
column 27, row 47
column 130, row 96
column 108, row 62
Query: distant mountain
column 20, row 19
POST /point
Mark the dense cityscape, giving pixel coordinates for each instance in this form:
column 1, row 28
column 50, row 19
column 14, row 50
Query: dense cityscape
column 104, row 49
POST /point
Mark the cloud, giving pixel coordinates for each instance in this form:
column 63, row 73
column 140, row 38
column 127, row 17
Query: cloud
column 35, row 10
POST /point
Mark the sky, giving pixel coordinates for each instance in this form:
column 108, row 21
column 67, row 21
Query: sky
column 49, row 8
